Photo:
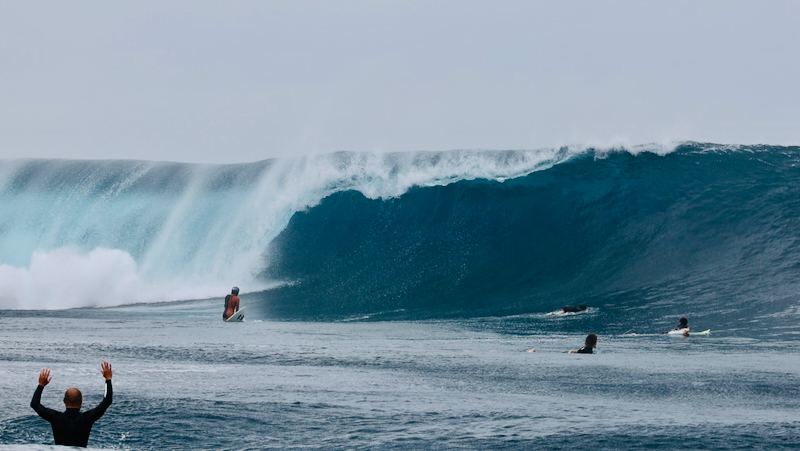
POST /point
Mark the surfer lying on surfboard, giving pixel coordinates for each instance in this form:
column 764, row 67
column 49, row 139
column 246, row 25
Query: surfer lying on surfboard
column 589, row 345
column 681, row 328
column 569, row 309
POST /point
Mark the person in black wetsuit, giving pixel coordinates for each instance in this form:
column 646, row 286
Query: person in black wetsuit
column 590, row 344
column 72, row 427
column 683, row 323
column 572, row 309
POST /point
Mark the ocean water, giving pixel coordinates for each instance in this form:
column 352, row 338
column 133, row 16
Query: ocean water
column 392, row 298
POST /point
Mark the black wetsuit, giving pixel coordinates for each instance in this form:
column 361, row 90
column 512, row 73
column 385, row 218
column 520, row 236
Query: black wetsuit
column 570, row 309
column 585, row 350
column 71, row 427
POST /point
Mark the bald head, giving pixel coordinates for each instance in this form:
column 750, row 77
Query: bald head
column 73, row 398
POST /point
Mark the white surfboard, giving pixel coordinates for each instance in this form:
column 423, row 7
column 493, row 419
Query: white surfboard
column 560, row 313
column 705, row 332
column 236, row 317
column 688, row 332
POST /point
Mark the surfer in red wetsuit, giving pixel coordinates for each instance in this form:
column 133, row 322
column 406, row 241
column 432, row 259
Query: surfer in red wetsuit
column 231, row 304
column 72, row 427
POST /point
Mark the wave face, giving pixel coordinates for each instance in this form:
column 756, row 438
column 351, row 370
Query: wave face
column 703, row 230
column 651, row 232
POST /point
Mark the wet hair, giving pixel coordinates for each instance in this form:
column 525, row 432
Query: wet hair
column 591, row 340
column 582, row 307
column 235, row 291
column 73, row 397
column 684, row 320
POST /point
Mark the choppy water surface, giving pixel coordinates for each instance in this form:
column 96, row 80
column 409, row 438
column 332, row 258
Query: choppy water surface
column 183, row 379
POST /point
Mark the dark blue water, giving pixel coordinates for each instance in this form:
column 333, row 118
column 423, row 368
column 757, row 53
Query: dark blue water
column 712, row 233
column 391, row 299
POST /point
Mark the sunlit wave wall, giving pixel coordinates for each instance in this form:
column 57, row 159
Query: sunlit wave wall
column 101, row 233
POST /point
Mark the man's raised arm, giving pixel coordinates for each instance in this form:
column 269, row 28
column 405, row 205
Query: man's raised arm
column 98, row 411
column 36, row 402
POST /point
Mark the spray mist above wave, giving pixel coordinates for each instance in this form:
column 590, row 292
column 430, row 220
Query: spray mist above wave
column 134, row 231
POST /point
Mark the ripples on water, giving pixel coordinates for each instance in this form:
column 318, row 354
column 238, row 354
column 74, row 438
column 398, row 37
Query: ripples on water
column 195, row 382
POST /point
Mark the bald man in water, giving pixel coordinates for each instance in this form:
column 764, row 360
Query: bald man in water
column 71, row 427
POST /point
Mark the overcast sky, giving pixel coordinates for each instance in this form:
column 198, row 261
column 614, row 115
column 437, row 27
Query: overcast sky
column 224, row 82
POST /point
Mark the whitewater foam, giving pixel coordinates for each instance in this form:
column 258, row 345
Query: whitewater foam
column 67, row 278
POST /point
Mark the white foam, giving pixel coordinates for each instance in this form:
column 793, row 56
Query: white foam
column 66, row 278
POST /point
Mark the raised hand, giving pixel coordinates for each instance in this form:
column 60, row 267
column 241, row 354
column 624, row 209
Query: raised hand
column 44, row 377
column 106, row 370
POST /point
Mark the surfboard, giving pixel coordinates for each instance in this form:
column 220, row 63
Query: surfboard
column 560, row 313
column 236, row 317
column 688, row 332
column 705, row 332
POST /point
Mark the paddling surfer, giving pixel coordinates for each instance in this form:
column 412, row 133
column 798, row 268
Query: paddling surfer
column 72, row 427
column 231, row 304
column 589, row 345
column 681, row 328
column 569, row 309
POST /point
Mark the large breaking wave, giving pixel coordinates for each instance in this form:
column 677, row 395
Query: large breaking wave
column 651, row 230
column 99, row 233
column 703, row 230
